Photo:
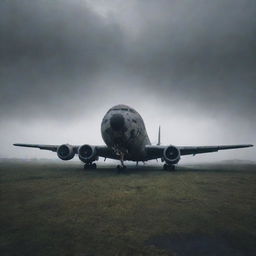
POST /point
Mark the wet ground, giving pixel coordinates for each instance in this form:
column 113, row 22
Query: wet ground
column 57, row 208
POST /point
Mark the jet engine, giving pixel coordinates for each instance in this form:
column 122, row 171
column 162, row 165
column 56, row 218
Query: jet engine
column 87, row 153
column 65, row 152
column 171, row 155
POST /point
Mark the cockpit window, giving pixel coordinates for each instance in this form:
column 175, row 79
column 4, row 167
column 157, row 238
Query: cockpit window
column 125, row 109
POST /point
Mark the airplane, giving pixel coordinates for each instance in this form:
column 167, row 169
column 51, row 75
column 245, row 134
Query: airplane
column 124, row 133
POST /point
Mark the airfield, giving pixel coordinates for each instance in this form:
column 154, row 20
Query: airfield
column 57, row 208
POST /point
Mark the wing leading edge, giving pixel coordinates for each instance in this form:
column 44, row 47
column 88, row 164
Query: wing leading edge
column 155, row 151
column 208, row 149
column 40, row 146
column 152, row 151
column 102, row 151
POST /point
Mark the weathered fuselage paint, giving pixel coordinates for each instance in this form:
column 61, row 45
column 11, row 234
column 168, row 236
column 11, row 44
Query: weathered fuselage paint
column 123, row 130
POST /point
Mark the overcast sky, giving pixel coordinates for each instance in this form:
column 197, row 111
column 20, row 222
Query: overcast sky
column 187, row 65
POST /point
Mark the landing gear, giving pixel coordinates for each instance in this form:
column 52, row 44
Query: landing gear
column 121, row 167
column 90, row 166
column 169, row 167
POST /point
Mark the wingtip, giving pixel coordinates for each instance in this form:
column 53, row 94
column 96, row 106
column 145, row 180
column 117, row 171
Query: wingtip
column 17, row 144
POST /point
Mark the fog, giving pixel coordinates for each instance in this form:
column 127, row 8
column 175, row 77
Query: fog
column 189, row 66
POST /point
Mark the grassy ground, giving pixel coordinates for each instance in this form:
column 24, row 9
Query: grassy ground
column 60, row 209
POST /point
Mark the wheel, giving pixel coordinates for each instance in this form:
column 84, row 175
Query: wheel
column 120, row 168
column 90, row 166
column 168, row 167
column 171, row 168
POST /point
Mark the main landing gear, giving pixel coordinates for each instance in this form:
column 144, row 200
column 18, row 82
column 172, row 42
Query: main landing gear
column 90, row 166
column 169, row 167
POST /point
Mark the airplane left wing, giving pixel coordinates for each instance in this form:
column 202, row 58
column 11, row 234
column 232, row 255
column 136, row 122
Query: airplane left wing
column 208, row 149
column 172, row 153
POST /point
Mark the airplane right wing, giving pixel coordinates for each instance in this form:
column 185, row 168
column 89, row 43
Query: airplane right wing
column 40, row 146
column 86, row 153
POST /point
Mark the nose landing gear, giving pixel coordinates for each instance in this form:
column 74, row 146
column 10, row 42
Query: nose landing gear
column 122, row 166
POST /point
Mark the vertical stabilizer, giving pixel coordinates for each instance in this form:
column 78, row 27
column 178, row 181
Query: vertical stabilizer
column 159, row 136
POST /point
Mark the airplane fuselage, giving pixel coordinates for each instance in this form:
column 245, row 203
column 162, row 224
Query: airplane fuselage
column 123, row 130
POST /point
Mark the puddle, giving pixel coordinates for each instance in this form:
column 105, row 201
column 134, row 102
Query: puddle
column 199, row 244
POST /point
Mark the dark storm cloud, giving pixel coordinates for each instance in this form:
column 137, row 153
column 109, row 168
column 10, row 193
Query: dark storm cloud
column 49, row 51
column 201, row 51
column 198, row 52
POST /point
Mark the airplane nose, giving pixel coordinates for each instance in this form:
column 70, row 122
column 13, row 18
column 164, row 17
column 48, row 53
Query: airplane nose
column 117, row 122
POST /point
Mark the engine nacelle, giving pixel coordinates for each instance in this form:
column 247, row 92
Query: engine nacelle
column 171, row 155
column 87, row 153
column 65, row 152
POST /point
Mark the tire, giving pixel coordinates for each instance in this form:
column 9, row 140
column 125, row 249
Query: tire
column 120, row 168
column 168, row 167
column 172, row 168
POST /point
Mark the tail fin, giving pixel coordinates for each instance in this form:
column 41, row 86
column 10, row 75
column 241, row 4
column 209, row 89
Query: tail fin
column 159, row 136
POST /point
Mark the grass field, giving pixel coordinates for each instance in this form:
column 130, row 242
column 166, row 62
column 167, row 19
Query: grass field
column 60, row 209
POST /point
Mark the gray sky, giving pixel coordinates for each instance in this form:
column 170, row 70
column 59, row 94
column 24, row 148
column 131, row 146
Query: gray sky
column 187, row 65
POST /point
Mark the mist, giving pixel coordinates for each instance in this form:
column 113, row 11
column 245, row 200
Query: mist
column 187, row 66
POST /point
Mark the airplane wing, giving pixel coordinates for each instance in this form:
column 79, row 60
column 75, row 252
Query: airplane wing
column 156, row 151
column 40, row 146
column 208, row 149
column 102, row 151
